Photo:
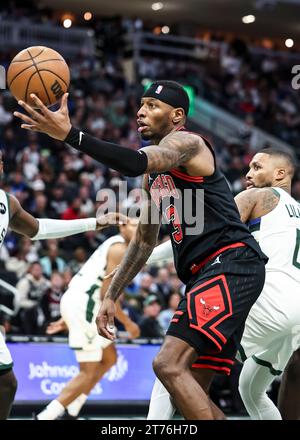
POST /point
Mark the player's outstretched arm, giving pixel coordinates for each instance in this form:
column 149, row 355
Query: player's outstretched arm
column 175, row 149
column 44, row 229
column 136, row 256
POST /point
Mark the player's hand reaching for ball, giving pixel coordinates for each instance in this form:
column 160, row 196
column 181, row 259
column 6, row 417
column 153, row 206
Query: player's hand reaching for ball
column 105, row 319
column 110, row 219
column 56, row 124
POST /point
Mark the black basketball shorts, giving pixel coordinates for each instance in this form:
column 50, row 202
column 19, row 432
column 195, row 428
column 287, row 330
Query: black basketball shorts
column 211, row 317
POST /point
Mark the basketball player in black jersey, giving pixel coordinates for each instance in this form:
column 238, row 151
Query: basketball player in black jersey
column 223, row 267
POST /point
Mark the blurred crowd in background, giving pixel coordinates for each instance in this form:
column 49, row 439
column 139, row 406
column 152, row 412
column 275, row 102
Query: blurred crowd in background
column 53, row 180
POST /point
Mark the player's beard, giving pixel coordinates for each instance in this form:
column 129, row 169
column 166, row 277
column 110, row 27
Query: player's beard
column 146, row 137
column 266, row 184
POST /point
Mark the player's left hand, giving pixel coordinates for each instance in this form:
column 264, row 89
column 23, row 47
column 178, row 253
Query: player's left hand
column 105, row 319
column 56, row 124
column 110, row 219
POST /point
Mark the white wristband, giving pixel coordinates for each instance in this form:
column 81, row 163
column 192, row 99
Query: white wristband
column 161, row 254
column 50, row 228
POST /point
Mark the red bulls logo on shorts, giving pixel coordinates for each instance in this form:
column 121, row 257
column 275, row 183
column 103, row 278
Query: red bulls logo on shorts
column 208, row 308
column 208, row 305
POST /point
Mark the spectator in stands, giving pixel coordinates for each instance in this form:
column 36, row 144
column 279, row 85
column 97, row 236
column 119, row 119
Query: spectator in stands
column 80, row 257
column 163, row 284
column 51, row 262
column 149, row 325
column 50, row 302
column 25, row 253
column 166, row 315
column 58, row 200
column 73, row 212
column 148, row 287
column 30, row 290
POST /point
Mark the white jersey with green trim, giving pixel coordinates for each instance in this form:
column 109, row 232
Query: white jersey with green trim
column 278, row 234
column 93, row 271
column 4, row 215
column 5, row 357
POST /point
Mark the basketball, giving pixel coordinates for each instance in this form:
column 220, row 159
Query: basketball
column 39, row 70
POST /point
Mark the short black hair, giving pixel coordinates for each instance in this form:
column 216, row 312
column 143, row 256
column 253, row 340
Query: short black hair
column 285, row 152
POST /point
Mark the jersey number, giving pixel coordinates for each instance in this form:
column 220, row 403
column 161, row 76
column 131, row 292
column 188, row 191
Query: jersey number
column 296, row 261
column 173, row 217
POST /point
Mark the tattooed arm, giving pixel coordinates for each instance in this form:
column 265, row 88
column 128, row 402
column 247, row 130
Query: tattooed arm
column 255, row 202
column 175, row 149
column 138, row 251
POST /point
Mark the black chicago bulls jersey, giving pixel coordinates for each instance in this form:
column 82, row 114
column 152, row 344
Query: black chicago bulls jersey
column 217, row 225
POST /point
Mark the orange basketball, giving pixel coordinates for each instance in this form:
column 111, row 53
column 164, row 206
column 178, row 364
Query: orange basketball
column 39, row 70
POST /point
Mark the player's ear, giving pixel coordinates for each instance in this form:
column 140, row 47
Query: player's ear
column 178, row 115
column 280, row 173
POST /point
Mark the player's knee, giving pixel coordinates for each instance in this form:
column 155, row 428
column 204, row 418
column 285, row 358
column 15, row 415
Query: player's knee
column 292, row 370
column 13, row 385
column 164, row 368
column 248, row 389
column 9, row 385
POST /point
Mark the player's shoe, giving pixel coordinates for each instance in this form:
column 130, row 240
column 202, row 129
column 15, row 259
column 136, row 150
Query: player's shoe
column 67, row 416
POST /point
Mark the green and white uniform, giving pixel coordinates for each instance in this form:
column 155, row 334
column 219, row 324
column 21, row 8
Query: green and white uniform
column 272, row 330
column 5, row 357
column 81, row 302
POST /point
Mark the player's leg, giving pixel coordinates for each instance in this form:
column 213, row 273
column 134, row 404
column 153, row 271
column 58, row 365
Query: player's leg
column 275, row 313
column 172, row 367
column 109, row 359
column 255, row 379
column 8, row 388
column 93, row 372
column 76, row 391
column 8, row 382
column 73, row 390
column 204, row 378
column 289, row 391
column 162, row 407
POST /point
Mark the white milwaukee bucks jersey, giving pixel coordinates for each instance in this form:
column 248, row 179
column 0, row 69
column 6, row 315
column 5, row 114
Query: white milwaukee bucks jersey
column 278, row 234
column 5, row 357
column 93, row 271
column 4, row 215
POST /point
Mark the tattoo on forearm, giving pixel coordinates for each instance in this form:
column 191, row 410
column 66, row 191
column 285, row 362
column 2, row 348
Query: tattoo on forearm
column 134, row 260
column 139, row 249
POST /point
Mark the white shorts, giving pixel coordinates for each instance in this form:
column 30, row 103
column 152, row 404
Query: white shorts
column 6, row 362
column 272, row 329
column 79, row 311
